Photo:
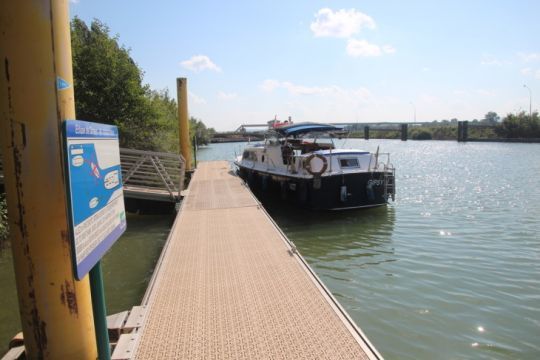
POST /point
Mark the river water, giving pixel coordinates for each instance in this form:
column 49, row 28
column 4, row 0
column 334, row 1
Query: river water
column 451, row 270
column 127, row 268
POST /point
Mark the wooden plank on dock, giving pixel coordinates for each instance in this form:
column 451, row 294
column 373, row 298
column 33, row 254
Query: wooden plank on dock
column 144, row 193
column 231, row 285
column 116, row 321
column 16, row 353
column 135, row 318
column 125, row 347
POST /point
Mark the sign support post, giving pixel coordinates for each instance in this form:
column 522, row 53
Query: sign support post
column 100, row 312
column 96, row 208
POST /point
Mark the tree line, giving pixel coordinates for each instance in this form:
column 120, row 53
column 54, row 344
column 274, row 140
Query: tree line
column 520, row 125
column 109, row 89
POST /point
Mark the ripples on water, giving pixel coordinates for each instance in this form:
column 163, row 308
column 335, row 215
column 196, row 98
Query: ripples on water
column 127, row 269
column 450, row 270
column 128, row 266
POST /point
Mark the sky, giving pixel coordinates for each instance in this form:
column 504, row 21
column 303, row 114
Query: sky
column 333, row 61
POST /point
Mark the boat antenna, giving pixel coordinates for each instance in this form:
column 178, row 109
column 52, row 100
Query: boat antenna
column 331, row 146
column 347, row 137
column 377, row 158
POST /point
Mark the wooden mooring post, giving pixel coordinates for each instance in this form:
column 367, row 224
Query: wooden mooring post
column 463, row 131
column 404, row 132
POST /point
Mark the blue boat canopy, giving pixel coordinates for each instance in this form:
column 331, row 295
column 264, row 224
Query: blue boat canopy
column 304, row 128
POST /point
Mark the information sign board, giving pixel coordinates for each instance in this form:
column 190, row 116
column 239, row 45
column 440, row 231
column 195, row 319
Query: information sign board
column 96, row 200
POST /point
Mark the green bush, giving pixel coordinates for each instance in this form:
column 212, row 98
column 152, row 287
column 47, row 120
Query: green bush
column 4, row 228
column 519, row 125
column 109, row 89
column 422, row 135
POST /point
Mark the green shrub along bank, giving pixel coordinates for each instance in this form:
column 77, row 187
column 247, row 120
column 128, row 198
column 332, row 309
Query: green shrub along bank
column 4, row 228
column 514, row 126
column 519, row 126
column 109, row 89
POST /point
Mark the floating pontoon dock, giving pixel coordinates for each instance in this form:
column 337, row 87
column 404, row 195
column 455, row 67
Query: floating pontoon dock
column 230, row 285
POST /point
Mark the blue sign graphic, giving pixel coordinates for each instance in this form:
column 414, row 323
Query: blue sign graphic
column 61, row 84
column 95, row 191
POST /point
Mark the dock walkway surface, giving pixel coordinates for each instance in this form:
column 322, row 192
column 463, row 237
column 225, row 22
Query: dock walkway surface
column 230, row 285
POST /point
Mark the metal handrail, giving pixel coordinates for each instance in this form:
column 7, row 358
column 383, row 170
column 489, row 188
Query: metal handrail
column 153, row 170
column 148, row 169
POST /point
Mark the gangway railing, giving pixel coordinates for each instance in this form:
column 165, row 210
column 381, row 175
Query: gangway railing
column 147, row 174
column 150, row 173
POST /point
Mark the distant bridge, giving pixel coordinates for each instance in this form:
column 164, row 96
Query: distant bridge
column 360, row 125
column 402, row 127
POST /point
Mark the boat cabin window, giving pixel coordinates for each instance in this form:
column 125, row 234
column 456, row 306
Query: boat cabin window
column 248, row 155
column 349, row 163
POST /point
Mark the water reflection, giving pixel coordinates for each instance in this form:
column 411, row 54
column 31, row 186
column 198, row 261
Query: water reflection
column 362, row 237
column 129, row 265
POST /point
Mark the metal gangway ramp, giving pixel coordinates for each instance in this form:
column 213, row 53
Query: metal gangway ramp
column 230, row 285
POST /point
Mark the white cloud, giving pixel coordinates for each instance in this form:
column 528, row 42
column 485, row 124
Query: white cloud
column 358, row 48
column 199, row 63
column 227, row 96
column 531, row 72
column 485, row 92
column 307, row 90
column 388, row 49
column 342, row 23
column 333, row 91
column 529, row 57
column 269, row 85
column 491, row 60
column 195, row 98
column 428, row 99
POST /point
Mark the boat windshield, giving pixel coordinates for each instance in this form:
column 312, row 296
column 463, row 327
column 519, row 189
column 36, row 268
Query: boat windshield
column 310, row 143
column 304, row 138
column 272, row 138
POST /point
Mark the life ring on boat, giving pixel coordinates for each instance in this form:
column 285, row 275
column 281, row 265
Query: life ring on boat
column 307, row 164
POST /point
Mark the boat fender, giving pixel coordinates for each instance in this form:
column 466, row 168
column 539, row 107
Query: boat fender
column 283, row 186
column 264, row 182
column 370, row 191
column 250, row 179
column 343, row 193
column 307, row 164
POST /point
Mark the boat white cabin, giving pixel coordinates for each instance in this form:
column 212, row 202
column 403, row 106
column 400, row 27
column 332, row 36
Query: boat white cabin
column 301, row 161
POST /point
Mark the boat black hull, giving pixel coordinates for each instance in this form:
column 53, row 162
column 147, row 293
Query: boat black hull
column 336, row 192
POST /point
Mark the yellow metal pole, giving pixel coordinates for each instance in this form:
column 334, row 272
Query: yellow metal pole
column 62, row 59
column 36, row 94
column 183, row 121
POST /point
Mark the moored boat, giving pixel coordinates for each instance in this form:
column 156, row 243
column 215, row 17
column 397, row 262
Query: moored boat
column 302, row 164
